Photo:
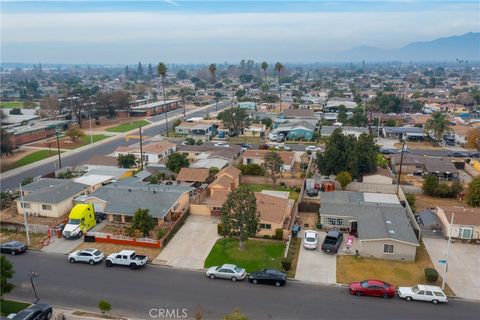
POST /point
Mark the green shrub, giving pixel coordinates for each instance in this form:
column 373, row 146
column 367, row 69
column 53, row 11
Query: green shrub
column 319, row 225
column 266, row 236
column 430, row 184
column 411, row 200
column 279, row 234
column 221, row 230
column 287, row 263
column 161, row 233
column 431, row 275
column 104, row 306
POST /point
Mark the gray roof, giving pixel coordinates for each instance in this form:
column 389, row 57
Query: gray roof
column 294, row 125
column 397, row 130
column 126, row 199
column 376, row 220
column 298, row 113
column 328, row 130
column 440, row 165
column 52, row 190
column 430, row 220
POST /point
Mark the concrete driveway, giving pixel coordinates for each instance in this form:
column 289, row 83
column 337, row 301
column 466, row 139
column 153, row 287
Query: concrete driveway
column 315, row 266
column 463, row 274
column 191, row 245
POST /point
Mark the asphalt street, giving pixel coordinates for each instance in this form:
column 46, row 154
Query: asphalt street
column 101, row 149
column 135, row 292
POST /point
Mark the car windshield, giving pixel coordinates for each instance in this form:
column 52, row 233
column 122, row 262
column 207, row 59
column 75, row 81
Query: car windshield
column 415, row 289
column 310, row 239
column 330, row 240
column 73, row 221
column 97, row 253
column 364, row 284
column 237, row 269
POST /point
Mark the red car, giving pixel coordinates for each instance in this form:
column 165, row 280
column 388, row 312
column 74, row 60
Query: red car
column 374, row 288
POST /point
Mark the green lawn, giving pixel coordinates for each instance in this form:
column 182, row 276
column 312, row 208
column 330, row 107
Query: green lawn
column 258, row 254
column 124, row 127
column 8, row 306
column 260, row 187
column 86, row 140
column 11, row 104
column 32, row 157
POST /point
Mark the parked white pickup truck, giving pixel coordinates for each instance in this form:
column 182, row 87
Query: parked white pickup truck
column 126, row 258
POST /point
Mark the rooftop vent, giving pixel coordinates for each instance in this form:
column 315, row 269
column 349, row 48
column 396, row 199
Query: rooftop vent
column 391, row 231
column 388, row 221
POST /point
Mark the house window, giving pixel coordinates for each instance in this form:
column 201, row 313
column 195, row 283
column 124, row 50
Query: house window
column 466, row 233
column 46, row 207
column 26, row 205
column 265, row 226
column 334, row 221
column 388, row 248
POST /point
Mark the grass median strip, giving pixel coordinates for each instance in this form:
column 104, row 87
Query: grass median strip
column 124, row 127
column 31, row 158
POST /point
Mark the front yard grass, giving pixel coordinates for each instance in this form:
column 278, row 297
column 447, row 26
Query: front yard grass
column 258, row 254
column 35, row 238
column 124, row 127
column 10, row 306
column 259, row 187
column 11, row 104
column 398, row 273
column 31, row 158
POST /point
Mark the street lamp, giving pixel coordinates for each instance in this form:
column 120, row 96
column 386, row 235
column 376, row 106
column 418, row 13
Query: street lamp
column 33, row 274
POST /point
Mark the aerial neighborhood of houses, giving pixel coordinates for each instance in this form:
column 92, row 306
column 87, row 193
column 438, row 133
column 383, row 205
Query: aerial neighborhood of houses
column 367, row 177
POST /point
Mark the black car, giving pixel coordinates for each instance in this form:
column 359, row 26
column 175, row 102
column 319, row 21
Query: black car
column 40, row 311
column 268, row 276
column 388, row 151
column 312, row 192
column 457, row 154
column 13, row 247
column 474, row 154
column 332, row 241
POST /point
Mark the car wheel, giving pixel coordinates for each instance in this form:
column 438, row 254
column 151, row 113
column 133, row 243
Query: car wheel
column 277, row 284
column 91, row 262
column 212, row 276
column 385, row 295
column 408, row 298
column 49, row 315
column 255, row 281
column 72, row 260
column 80, row 234
column 133, row 266
column 13, row 252
column 435, row 301
column 108, row 263
column 358, row 293
column 234, row 279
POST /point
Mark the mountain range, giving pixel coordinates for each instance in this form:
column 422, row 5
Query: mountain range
column 462, row 47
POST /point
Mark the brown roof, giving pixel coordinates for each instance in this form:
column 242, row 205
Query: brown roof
column 230, row 171
column 271, row 208
column 153, row 147
column 193, row 174
column 461, row 130
column 287, row 156
column 223, row 181
column 298, row 113
column 469, row 216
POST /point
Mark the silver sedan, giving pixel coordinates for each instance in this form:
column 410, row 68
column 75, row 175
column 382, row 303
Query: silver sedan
column 227, row 271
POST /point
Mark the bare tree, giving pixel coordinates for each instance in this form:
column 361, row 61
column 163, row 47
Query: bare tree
column 49, row 107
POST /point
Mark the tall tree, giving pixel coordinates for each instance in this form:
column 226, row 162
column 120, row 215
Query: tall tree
column 473, row 193
column 337, row 153
column 50, row 107
column 142, row 220
column 74, row 134
column 364, row 156
column 213, row 72
column 6, row 142
column 239, row 214
column 272, row 165
column 264, row 67
column 140, row 70
column 278, row 68
column 233, row 118
column 177, row 161
column 162, row 72
column 437, row 126
column 6, row 274
column 150, row 71
column 184, row 93
column 126, row 160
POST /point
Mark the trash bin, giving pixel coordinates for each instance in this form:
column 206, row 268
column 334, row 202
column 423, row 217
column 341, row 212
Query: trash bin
column 295, row 230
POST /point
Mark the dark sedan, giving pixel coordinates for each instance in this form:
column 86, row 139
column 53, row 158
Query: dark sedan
column 374, row 288
column 457, row 154
column 40, row 311
column 268, row 276
column 13, row 247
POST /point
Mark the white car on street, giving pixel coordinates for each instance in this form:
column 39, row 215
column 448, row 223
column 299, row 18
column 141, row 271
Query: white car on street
column 422, row 292
column 310, row 240
column 227, row 271
column 312, row 149
column 90, row 256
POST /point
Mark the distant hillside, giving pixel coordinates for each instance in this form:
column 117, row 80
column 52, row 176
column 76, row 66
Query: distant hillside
column 466, row 47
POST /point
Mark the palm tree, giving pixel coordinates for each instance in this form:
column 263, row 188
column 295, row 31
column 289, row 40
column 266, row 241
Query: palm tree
column 264, row 68
column 184, row 92
column 279, row 67
column 437, row 126
column 162, row 72
column 213, row 71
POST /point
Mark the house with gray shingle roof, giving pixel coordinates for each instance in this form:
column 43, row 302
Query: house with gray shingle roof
column 379, row 222
column 50, row 197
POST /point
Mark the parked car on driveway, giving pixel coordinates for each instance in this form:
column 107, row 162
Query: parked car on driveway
column 90, row 256
column 227, row 271
column 40, row 311
column 312, row 192
column 422, row 292
column 332, row 241
column 310, row 239
column 374, row 288
column 268, row 276
column 126, row 258
column 13, row 247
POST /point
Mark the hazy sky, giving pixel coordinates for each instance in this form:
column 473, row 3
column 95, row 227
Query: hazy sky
column 218, row 31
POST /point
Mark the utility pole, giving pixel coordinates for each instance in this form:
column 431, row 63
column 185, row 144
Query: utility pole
column 448, row 251
column 400, row 170
column 32, row 275
column 141, row 148
column 90, row 120
column 24, row 215
column 58, row 150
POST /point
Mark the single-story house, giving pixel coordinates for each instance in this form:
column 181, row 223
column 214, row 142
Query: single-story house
column 380, row 175
column 460, row 132
column 93, row 181
column 404, row 133
column 326, row 131
column 231, row 153
column 196, row 130
column 298, row 114
column 50, row 197
column 296, row 130
column 247, row 105
column 258, row 156
column 153, row 152
column 466, row 222
column 334, row 104
column 379, row 221
column 274, row 212
column 193, row 175
column 443, row 168
column 255, row 130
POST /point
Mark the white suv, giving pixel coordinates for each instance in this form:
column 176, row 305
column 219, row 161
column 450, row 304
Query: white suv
column 90, row 256
column 423, row 293
column 310, row 240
